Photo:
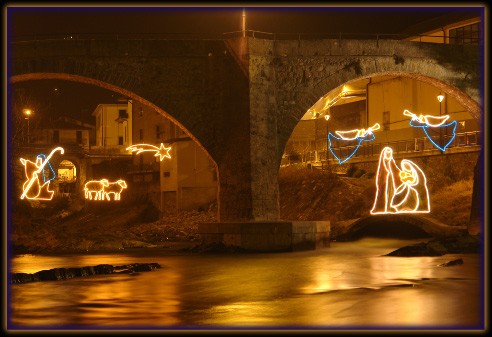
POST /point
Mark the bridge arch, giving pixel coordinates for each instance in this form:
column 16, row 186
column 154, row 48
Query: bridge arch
column 347, row 76
column 402, row 226
column 242, row 107
column 81, row 79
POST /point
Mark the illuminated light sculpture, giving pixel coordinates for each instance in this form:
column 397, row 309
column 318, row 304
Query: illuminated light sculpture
column 321, row 107
column 428, row 122
column 116, row 188
column 33, row 188
column 160, row 151
column 400, row 190
column 103, row 188
column 357, row 135
column 96, row 186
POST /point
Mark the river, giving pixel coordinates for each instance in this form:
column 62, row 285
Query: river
column 347, row 286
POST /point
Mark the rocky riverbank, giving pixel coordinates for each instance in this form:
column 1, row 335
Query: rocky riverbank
column 304, row 195
column 106, row 230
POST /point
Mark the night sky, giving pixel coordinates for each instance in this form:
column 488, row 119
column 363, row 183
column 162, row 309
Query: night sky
column 120, row 20
column 79, row 100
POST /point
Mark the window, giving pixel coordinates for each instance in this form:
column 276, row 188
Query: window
column 56, row 137
column 157, row 133
column 167, row 174
column 120, row 140
column 386, row 120
column 465, row 35
column 122, row 113
column 79, row 137
column 141, row 134
column 140, row 112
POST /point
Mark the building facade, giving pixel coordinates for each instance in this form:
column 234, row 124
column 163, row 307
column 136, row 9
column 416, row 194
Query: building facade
column 113, row 127
column 185, row 181
column 71, row 169
column 385, row 100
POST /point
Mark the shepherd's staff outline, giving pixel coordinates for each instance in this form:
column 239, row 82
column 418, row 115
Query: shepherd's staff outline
column 34, row 176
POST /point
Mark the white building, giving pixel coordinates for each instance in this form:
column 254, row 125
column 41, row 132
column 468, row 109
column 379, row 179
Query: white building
column 113, row 127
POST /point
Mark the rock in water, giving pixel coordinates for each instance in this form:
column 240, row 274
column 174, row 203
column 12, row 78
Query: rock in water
column 418, row 249
column 467, row 244
column 452, row 263
column 68, row 273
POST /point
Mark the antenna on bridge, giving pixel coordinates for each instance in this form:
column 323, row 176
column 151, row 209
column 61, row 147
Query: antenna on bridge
column 244, row 23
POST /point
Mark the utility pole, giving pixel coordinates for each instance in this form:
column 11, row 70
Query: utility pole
column 244, row 23
column 440, row 98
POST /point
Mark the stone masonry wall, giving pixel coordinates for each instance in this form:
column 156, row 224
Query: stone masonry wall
column 307, row 70
column 243, row 121
column 263, row 117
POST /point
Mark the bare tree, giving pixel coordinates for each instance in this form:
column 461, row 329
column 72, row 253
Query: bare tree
column 21, row 102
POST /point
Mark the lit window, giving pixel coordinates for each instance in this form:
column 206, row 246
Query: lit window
column 469, row 34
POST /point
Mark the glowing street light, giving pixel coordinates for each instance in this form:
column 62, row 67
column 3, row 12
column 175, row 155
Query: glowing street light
column 327, row 118
column 28, row 113
column 440, row 98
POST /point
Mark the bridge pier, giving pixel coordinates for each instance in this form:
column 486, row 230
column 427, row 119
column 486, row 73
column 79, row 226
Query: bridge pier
column 267, row 236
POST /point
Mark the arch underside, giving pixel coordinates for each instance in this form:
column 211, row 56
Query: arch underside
column 81, row 79
column 309, row 97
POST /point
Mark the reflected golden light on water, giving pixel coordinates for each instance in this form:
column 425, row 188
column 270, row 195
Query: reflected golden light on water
column 136, row 299
column 348, row 285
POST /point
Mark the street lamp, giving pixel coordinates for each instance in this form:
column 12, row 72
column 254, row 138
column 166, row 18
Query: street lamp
column 440, row 98
column 28, row 113
column 327, row 118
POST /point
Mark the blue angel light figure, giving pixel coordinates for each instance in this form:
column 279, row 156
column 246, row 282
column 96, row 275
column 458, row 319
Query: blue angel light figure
column 357, row 136
column 430, row 124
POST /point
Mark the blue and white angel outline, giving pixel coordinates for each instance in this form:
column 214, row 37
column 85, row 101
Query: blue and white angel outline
column 356, row 134
column 429, row 121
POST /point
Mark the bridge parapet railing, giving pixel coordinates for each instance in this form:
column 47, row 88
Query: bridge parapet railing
column 231, row 35
column 423, row 144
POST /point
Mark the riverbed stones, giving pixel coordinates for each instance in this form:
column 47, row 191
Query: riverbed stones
column 68, row 273
column 467, row 244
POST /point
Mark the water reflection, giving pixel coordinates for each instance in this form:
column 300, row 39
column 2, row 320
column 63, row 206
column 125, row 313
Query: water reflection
column 347, row 285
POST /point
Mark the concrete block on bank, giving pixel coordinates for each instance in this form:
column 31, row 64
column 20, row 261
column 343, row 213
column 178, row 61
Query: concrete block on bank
column 267, row 236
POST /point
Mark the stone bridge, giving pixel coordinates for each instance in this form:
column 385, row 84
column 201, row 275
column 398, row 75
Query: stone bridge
column 240, row 99
column 398, row 226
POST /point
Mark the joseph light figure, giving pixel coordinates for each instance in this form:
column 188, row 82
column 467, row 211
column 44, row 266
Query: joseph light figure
column 400, row 190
